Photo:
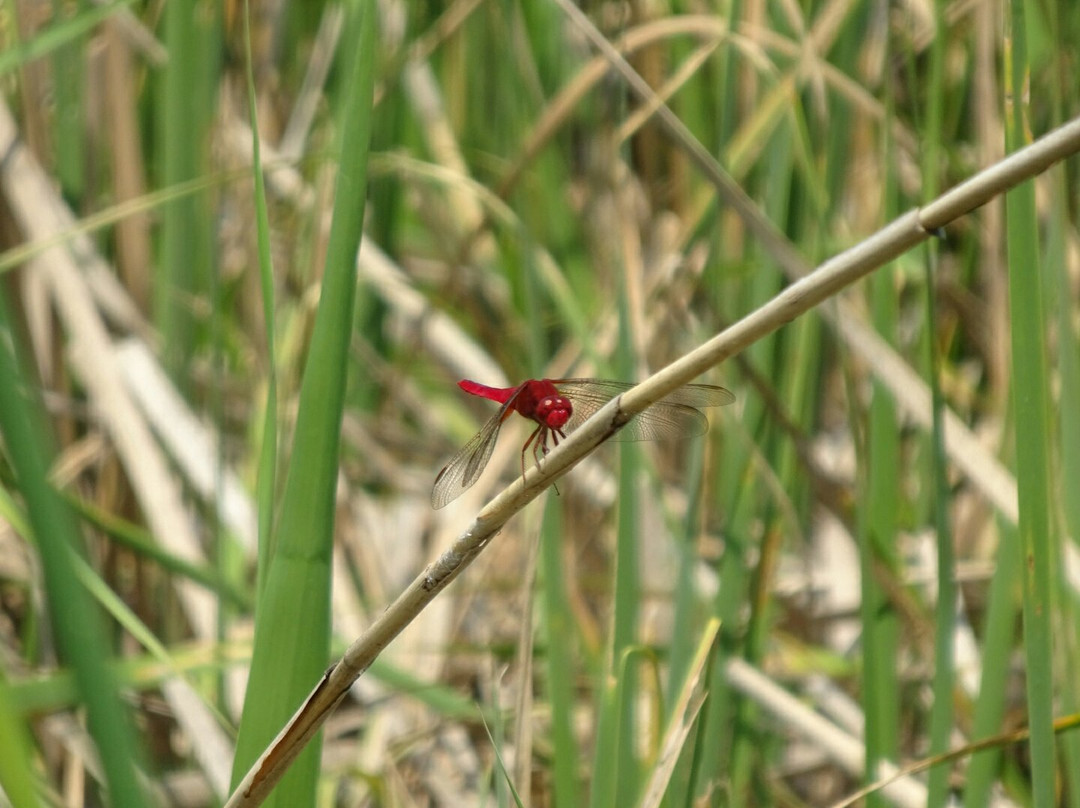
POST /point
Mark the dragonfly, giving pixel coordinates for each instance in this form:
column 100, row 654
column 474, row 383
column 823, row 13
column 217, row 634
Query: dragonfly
column 557, row 407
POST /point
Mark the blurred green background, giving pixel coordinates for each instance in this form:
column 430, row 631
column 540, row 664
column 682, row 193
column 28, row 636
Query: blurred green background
column 226, row 416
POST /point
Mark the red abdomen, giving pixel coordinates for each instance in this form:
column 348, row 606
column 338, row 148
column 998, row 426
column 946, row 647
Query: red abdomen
column 536, row 399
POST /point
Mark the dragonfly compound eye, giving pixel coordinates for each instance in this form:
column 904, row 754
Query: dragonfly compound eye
column 554, row 411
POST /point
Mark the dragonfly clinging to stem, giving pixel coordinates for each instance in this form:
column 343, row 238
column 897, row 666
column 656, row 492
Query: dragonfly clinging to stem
column 558, row 406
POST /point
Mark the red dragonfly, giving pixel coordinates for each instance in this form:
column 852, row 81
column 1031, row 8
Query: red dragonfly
column 559, row 406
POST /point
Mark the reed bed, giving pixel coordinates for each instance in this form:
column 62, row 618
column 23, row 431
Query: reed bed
column 249, row 251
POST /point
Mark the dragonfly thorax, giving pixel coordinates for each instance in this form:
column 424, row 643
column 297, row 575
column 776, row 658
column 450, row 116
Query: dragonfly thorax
column 552, row 407
column 553, row 411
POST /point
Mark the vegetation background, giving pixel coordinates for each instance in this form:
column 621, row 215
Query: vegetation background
column 235, row 416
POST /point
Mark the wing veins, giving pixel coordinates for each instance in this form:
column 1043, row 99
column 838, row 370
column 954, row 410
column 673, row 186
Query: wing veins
column 463, row 469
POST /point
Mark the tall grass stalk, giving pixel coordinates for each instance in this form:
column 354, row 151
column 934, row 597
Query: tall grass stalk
column 188, row 97
column 1068, row 426
column 627, row 584
column 1030, row 390
column 945, row 610
column 69, row 67
column 16, row 769
column 292, row 631
column 879, row 524
column 878, row 557
column 77, row 623
column 946, row 628
column 1003, row 610
column 560, row 644
column 1059, row 295
column 268, row 451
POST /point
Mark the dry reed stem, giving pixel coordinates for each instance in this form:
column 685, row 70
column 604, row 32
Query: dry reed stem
column 834, row 275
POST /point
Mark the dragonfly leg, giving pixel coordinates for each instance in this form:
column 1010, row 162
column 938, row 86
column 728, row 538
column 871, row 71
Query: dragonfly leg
column 538, row 440
column 534, row 442
column 556, row 434
column 540, row 447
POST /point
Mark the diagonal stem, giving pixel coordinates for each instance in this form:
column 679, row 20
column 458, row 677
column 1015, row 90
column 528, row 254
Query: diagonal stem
column 835, row 274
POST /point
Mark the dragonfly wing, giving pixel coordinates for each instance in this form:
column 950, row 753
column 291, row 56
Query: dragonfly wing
column 672, row 417
column 468, row 464
column 699, row 395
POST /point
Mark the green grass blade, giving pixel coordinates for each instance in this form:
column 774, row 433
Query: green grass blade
column 1058, row 32
column 559, row 621
column 55, row 690
column 688, row 610
column 140, row 541
column 683, row 711
column 605, row 769
column 58, row 35
column 78, row 626
column 627, row 583
column 110, row 215
column 16, row 778
column 878, row 528
column 503, row 772
column 1001, row 615
column 719, row 733
column 1030, row 389
column 292, row 620
column 879, row 522
column 69, row 68
column 687, row 599
column 617, row 703
column 627, row 604
column 1069, row 430
column 941, row 712
column 188, row 90
column 268, row 451
column 616, row 782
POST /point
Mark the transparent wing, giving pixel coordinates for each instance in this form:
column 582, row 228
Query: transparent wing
column 672, row 417
column 468, row 464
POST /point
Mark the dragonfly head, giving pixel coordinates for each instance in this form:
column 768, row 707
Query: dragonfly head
column 554, row 411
